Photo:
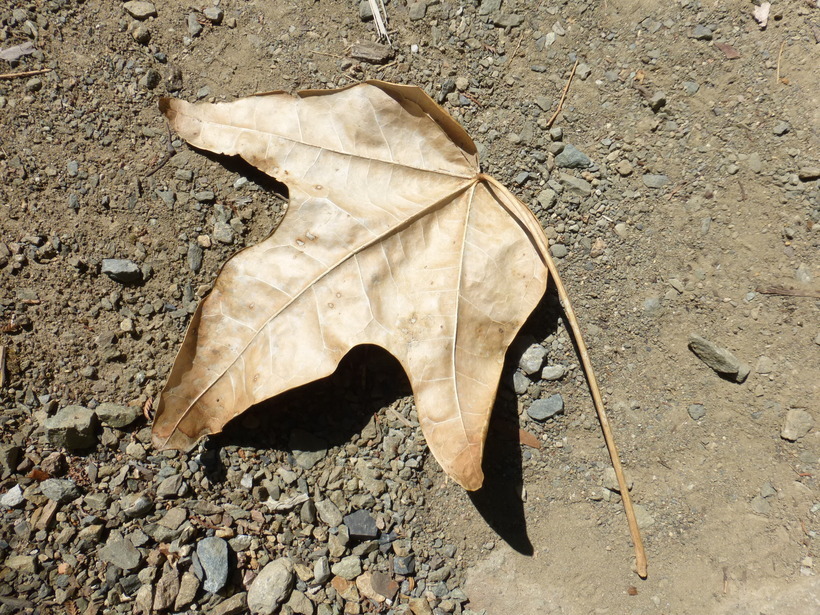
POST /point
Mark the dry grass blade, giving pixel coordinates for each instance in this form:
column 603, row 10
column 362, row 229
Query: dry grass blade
column 2, row 366
column 563, row 96
column 380, row 19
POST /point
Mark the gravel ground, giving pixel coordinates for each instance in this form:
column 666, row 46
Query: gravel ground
column 678, row 188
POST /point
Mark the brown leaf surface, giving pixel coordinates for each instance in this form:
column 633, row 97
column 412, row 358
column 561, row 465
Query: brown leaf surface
column 393, row 237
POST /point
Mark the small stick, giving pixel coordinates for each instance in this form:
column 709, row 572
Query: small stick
column 635, row 532
column 28, row 73
column 785, row 291
column 517, row 47
column 780, row 55
column 2, row 366
column 563, row 95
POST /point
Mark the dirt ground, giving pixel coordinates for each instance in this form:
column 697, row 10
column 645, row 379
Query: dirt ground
column 700, row 214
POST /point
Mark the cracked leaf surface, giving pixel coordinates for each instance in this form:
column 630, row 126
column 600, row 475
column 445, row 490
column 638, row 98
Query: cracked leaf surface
column 392, row 237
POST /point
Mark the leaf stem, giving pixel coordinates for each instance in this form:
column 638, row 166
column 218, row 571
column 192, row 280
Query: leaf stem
column 635, row 532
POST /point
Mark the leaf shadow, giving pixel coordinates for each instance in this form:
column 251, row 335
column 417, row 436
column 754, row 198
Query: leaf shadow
column 325, row 413
column 499, row 499
column 238, row 165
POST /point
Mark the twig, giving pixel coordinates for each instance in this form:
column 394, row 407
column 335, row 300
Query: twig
column 517, row 47
column 330, row 55
column 28, row 73
column 563, row 95
column 780, row 55
column 2, row 366
column 785, row 291
column 676, row 190
column 635, row 532
column 400, row 418
column 169, row 153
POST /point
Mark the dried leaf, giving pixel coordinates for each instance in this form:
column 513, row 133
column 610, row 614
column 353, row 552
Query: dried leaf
column 528, row 439
column 393, row 237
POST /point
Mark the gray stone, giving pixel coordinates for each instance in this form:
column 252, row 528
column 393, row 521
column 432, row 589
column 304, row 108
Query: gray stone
column 97, row 501
column 520, row 383
column 235, row 605
column 12, row 498
column 643, row 517
column 73, row 427
column 697, row 411
column 172, row 487
column 120, row 552
column 651, row 180
column 547, row 198
column 611, row 480
column 321, row 570
column 365, row 12
column 360, row 524
column 174, row 518
column 193, row 25
column 25, row 564
column 803, row 274
column 760, row 505
column 532, row 359
column 691, row 87
column 348, row 567
column 329, row 513
column 701, row 33
column 138, row 9
column 188, row 587
column 404, row 565
column 508, row 20
column 223, row 232
column 60, row 490
column 657, row 101
column 9, row 458
column 489, row 7
column 797, row 424
column 136, row 505
column 767, row 490
column 213, row 558
column 271, row 587
column 556, row 132
column 808, row 174
column 214, row 14
column 194, row 257
column 719, row 359
column 583, row 71
column 117, row 415
column 121, row 270
column 575, row 185
column 307, row 449
column 572, row 158
column 553, row 372
column 559, row 250
column 543, row 409
column 167, row 588
column 781, row 128
column 417, row 11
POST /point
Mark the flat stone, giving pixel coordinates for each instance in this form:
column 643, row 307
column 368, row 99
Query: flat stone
column 547, row 198
column 26, row 564
column 765, row 365
column 652, row 180
column 701, row 33
column 12, row 498
column 488, row 7
column 543, row 409
column 348, row 567
column 138, row 9
column 97, row 501
column 214, row 14
column 188, row 587
column 696, row 411
column 60, row 490
column 299, row 603
column 808, row 174
column 360, row 524
column 73, row 427
column 404, row 565
column 308, row 450
column 329, row 513
column 611, row 480
column 572, row 158
column 624, row 168
column 532, row 359
column 121, row 270
column 553, row 372
column 121, row 552
column 193, row 25
column 117, row 415
column 167, row 588
column 575, row 185
column 212, row 553
column 508, row 20
column 271, row 587
column 172, row 487
column 136, row 505
column 719, row 359
column 321, row 570
column 235, row 605
column 417, row 10
column 797, row 424
column 520, row 383
column 195, row 255
column 174, row 518
column 559, row 250
column 9, row 458
column 643, row 517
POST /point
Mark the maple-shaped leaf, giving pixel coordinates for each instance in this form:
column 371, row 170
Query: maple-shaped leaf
column 392, row 237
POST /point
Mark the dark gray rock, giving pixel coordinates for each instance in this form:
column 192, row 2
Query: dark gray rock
column 701, row 33
column 117, row 415
column 543, row 409
column 404, row 565
column 572, row 158
column 651, row 180
column 73, row 427
column 271, row 587
column 214, row 561
column 194, row 256
column 136, row 505
column 719, row 359
column 121, row 270
column 575, row 185
column 360, row 524
column 193, row 25
column 558, row 250
column 9, row 458
column 172, row 487
column 60, row 490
